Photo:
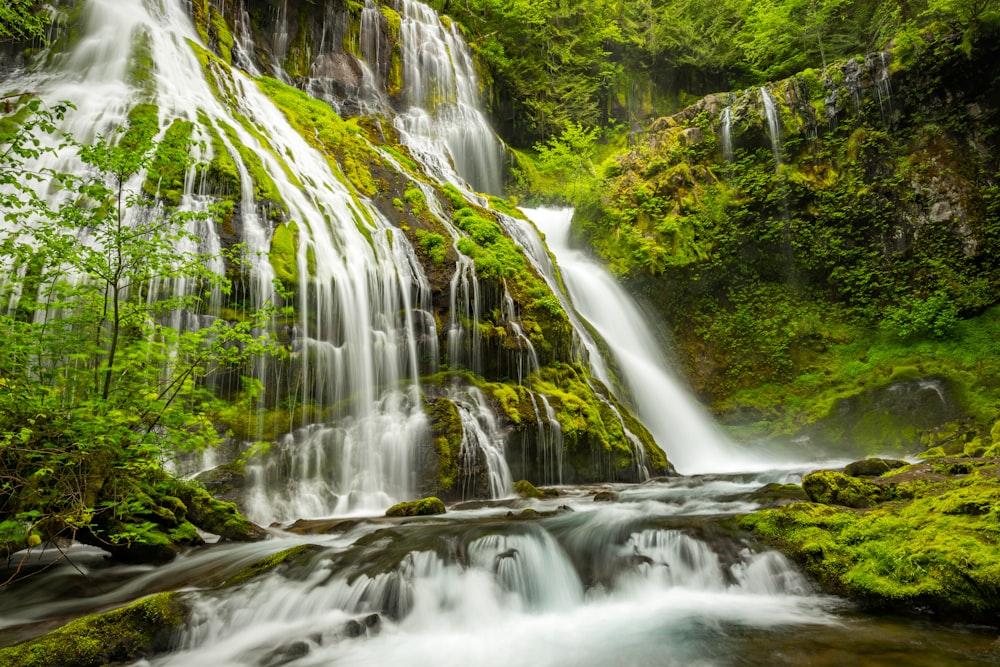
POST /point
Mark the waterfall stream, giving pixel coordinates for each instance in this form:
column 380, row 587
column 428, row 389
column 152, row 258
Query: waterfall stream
column 651, row 575
column 683, row 429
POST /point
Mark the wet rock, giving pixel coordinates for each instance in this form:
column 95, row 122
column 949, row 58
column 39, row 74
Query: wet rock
column 873, row 467
column 287, row 653
column 775, row 495
column 354, row 628
column 606, row 497
column 526, row 489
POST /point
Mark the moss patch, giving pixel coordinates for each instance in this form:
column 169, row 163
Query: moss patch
column 423, row 507
column 930, row 544
column 137, row 631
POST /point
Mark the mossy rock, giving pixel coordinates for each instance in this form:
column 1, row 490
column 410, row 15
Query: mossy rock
column 774, row 494
column 830, row 487
column 423, row 507
column 296, row 556
column 932, row 548
column 526, row 489
column 873, row 467
column 217, row 516
column 140, row 630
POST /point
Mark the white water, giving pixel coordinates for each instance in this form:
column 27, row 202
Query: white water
column 773, row 124
column 444, row 126
column 726, row 121
column 591, row 587
column 666, row 408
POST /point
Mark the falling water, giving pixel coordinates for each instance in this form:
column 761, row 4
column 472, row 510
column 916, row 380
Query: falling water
column 726, row 120
column 355, row 345
column 883, row 86
column 773, row 124
column 444, row 126
column 665, row 406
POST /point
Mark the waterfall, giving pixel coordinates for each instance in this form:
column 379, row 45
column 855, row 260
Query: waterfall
column 773, row 124
column 678, row 423
column 879, row 66
column 444, row 125
column 356, row 348
column 485, row 469
column 726, row 120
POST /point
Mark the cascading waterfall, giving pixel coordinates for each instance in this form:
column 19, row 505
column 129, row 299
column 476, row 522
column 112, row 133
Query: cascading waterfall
column 651, row 576
column 444, row 126
column 484, row 466
column 726, row 120
column 773, row 124
column 685, row 431
column 355, row 344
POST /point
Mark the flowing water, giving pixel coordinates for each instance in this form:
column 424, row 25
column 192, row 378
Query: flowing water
column 651, row 575
column 773, row 124
column 678, row 423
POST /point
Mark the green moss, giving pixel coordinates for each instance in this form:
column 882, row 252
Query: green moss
column 168, row 170
column 123, row 635
column 143, row 126
column 284, row 254
column 434, row 245
column 223, row 37
column 932, row 547
column 835, row 488
column 423, row 507
column 272, row 562
column 265, row 189
column 141, row 68
column 446, row 431
column 526, row 489
column 348, row 153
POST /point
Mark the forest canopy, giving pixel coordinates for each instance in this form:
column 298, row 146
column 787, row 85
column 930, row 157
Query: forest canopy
column 601, row 62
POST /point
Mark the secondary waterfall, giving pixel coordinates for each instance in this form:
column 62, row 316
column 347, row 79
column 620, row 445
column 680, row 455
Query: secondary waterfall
column 679, row 424
column 726, row 120
column 444, row 125
column 773, row 124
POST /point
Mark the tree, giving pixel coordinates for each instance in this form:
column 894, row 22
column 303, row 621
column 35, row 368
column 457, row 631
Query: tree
column 97, row 385
column 21, row 20
column 568, row 156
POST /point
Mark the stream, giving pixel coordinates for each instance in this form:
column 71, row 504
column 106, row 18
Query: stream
column 646, row 574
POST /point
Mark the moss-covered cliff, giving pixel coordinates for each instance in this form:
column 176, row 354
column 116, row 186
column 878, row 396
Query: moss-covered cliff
column 847, row 248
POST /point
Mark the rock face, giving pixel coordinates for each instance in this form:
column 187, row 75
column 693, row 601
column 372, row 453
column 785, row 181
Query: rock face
column 873, row 213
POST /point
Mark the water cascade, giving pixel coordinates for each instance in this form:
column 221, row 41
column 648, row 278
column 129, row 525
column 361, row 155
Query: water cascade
column 879, row 66
column 726, row 120
column 685, row 431
column 773, row 124
column 444, row 126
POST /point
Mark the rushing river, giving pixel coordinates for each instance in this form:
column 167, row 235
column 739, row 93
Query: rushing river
column 653, row 575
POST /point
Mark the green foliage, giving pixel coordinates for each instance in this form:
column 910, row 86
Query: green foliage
column 435, row 245
column 119, row 636
column 935, row 317
column 22, row 20
column 98, row 388
column 933, row 547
